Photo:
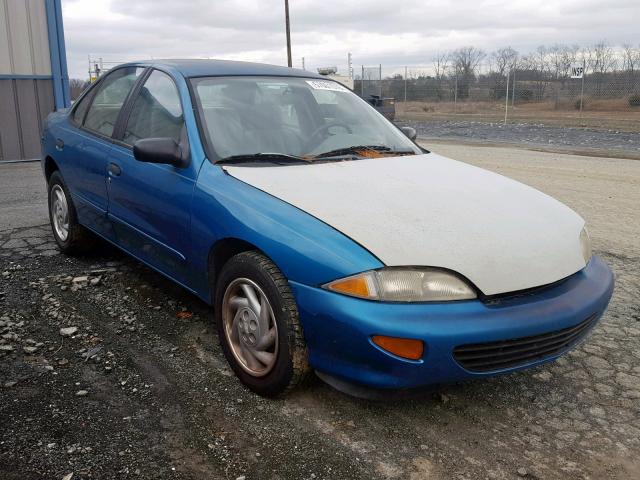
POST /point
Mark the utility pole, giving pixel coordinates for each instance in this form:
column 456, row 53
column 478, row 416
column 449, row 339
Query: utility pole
column 286, row 19
column 303, row 64
column 350, row 65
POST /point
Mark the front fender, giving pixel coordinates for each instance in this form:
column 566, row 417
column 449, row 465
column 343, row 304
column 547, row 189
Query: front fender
column 306, row 250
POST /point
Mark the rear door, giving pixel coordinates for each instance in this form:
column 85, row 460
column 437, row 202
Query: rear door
column 87, row 144
column 150, row 204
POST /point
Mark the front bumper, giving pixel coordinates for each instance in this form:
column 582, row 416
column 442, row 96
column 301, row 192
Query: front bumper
column 338, row 329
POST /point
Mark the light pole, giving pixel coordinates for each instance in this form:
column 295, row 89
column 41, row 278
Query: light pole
column 286, row 19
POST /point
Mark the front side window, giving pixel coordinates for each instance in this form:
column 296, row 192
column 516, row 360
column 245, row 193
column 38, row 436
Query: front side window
column 110, row 97
column 302, row 117
column 156, row 112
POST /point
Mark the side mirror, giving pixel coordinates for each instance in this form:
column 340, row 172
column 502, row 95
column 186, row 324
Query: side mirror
column 158, row 150
column 410, row 132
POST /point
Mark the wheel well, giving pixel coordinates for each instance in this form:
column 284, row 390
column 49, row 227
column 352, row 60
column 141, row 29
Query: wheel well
column 50, row 166
column 221, row 252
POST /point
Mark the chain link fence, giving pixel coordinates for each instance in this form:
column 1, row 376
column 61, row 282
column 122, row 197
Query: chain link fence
column 609, row 100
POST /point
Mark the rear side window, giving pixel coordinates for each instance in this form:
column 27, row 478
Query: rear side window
column 81, row 109
column 156, row 112
column 109, row 99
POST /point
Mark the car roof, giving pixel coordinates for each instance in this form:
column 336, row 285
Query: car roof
column 208, row 67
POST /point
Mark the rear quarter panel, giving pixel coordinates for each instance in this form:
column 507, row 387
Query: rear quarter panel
column 53, row 126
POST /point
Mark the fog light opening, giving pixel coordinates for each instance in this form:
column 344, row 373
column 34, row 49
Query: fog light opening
column 408, row 348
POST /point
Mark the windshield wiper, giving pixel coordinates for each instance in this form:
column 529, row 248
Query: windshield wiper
column 274, row 157
column 357, row 149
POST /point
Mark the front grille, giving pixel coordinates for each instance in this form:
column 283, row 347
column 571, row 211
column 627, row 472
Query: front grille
column 485, row 357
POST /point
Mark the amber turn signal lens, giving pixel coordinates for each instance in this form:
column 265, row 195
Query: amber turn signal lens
column 356, row 286
column 402, row 347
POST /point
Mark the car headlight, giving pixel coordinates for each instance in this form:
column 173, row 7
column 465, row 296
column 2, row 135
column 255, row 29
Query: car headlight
column 394, row 284
column 585, row 245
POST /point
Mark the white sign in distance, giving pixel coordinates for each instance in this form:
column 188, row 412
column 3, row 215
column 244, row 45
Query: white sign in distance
column 577, row 71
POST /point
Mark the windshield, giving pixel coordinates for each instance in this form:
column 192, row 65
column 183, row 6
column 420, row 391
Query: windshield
column 299, row 117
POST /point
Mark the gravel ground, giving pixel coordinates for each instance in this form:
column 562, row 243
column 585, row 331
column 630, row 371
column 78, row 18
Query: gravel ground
column 107, row 370
column 533, row 135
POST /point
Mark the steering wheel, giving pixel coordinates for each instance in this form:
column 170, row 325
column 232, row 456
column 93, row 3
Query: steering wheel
column 326, row 127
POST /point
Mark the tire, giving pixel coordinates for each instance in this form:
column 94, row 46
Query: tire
column 77, row 239
column 282, row 365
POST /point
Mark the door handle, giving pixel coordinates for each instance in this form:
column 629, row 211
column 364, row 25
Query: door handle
column 59, row 144
column 114, row 170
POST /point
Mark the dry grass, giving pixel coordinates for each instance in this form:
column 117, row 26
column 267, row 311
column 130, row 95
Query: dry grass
column 612, row 114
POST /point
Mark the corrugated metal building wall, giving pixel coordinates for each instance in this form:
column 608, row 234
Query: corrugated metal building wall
column 33, row 73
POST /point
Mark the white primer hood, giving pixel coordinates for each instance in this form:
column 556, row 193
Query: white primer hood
column 427, row 210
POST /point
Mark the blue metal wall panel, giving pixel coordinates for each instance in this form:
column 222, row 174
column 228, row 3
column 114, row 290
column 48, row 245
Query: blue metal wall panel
column 58, row 52
column 28, row 93
column 24, row 77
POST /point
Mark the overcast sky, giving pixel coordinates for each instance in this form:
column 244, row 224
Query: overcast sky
column 393, row 33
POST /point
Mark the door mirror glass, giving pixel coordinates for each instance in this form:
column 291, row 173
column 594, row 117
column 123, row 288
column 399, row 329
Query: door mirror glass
column 158, row 150
column 410, row 132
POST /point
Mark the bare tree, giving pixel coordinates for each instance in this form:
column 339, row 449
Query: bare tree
column 502, row 62
column 504, row 59
column 416, row 73
column 630, row 57
column 561, row 57
column 465, row 61
column 440, row 67
column 631, row 63
column 440, row 64
column 76, row 87
column 540, row 66
column 600, row 59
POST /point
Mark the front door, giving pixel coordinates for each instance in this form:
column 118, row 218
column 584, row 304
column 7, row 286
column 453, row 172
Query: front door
column 149, row 204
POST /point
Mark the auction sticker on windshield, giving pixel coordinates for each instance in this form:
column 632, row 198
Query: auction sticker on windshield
column 326, row 85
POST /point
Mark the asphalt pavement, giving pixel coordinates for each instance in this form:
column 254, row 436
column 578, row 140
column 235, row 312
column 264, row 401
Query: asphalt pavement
column 23, row 196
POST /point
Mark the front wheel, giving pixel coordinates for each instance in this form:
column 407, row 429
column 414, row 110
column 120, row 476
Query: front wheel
column 258, row 325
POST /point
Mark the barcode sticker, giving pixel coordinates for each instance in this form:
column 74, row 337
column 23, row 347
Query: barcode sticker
column 327, row 85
